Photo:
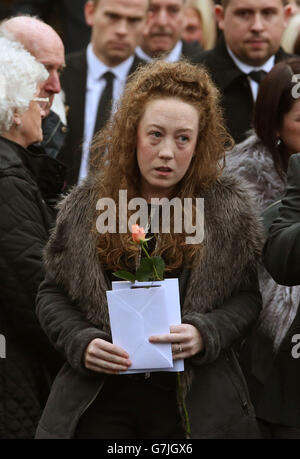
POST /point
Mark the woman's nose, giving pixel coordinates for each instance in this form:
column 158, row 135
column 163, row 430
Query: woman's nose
column 166, row 150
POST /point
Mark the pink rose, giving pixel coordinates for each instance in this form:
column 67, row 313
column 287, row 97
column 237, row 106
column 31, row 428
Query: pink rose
column 138, row 233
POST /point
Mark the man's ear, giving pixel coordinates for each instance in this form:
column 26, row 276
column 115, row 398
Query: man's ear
column 287, row 13
column 89, row 12
column 220, row 13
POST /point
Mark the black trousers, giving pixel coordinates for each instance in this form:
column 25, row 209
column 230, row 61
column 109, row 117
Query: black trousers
column 133, row 407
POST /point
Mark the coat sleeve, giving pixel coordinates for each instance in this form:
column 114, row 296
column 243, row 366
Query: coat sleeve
column 282, row 249
column 23, row 235
column 225, row 326
column 65, row 325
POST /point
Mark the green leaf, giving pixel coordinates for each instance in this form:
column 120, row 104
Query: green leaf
column 125, row 275
column 145, row 272
column 159, row 264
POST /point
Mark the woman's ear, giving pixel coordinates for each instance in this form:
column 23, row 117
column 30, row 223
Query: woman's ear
column 17, row 119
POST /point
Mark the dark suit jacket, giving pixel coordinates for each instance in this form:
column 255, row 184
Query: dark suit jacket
column 237, row 99
column 73, row 82
column 191, row 50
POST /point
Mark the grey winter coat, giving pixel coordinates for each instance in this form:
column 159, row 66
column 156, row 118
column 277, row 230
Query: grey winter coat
column 220, row 298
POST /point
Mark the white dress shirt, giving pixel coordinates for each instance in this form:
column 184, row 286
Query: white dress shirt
column 94, row 88
column 245, row 68
column 173, row 56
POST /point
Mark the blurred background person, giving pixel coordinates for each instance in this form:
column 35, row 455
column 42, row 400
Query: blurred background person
column 295, row 4
column 291, row 37
column 46, row 46
column 163, row 32
column 247, row 50
column 66, row 16
column 262, row 160
column 95, row 77
column 30, row 364
column 200, row 23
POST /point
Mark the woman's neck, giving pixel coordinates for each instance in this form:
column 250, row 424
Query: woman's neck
column 14, row 136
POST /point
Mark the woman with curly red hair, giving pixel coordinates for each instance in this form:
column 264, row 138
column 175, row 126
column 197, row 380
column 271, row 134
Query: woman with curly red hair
column 166, row 140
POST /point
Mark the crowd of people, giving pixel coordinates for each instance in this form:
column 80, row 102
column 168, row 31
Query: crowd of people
column 166, row 99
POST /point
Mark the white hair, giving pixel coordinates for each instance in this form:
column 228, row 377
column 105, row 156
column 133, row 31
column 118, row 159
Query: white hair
column 20, row 76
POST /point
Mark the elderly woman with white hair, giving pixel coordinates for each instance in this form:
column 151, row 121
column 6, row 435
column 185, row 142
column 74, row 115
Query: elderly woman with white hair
column 27, row 183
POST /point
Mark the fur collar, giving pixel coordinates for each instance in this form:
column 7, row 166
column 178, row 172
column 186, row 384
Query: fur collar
column 232, row 246
column 253, row 161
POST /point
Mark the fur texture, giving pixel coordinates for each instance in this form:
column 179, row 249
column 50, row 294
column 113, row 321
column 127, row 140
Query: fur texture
column 252, row 161
column 228, row 259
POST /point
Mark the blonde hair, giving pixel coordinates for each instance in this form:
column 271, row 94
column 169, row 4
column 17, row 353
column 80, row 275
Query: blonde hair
column 291, row 34
column 205, row 10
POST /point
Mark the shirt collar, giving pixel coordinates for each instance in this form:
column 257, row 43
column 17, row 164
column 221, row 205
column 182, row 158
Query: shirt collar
column 173, row 56
column 245, row 68
column 96, row 68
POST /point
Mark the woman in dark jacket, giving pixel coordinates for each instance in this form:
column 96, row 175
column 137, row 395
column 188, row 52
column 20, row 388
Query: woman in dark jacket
column 281, row 401
column 28, row 363
column 262, row 160
column 166, row 140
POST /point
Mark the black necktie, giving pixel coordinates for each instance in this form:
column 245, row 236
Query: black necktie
column 257, row 75
column 105, row 103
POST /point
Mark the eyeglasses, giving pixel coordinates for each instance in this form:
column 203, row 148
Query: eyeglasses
column 42, row 101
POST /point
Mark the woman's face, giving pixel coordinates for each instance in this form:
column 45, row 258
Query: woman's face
column 166, row 141
column 30, row 129
column 290, row 130
column 193, row 26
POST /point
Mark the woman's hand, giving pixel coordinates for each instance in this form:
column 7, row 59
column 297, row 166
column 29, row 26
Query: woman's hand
column 104, row 357
column 185, row 339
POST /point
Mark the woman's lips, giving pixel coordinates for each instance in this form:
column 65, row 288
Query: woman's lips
column 164, row 171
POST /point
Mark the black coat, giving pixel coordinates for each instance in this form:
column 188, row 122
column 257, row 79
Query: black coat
column 237, row 99
column 281, row 401
column 74, row 85
column 30, row 363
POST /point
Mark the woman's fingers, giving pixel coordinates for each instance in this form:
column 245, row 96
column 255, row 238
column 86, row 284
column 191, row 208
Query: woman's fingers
column 185, row 339
column 105, row 357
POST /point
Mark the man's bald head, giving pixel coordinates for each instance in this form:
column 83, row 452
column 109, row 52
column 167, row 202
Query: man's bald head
column 44, row 44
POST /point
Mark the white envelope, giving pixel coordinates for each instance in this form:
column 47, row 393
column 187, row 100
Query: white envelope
column 136, row 314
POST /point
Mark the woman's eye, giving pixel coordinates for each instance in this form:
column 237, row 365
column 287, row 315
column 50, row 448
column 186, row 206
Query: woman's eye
column 155, row 134
column 183, row 138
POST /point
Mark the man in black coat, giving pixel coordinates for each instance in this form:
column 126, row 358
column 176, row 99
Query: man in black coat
column 252, row 32
column 162, row 35
column 97, row 73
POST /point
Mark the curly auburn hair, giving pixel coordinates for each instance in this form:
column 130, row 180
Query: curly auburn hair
column 115, row 163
